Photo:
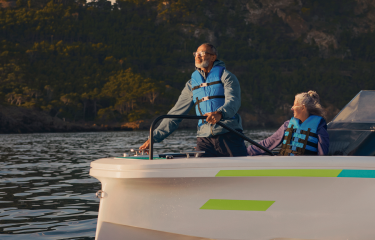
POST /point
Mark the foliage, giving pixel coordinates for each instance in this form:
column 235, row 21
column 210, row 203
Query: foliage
column 101, row 62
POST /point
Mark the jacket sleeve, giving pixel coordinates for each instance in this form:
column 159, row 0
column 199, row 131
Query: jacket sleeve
column 232, row 92
column 323, row 137
column 270, row 142
column 182, row 107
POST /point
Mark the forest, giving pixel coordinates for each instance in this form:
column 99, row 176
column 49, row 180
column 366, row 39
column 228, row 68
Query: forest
column 99, row 62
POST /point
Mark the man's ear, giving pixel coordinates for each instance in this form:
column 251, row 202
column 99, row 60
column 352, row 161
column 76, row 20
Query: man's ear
column 214, row 57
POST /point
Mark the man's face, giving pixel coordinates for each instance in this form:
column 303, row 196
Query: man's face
column 206, row 60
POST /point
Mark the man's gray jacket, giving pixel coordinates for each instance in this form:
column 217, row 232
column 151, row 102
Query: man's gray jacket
column 185, row 102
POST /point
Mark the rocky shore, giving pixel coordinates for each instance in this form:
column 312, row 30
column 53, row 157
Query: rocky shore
column 22, row 120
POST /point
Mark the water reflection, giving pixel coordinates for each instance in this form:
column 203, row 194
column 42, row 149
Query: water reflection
column 45, row 189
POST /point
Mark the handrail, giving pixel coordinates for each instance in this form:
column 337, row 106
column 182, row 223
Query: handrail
column 151, row 149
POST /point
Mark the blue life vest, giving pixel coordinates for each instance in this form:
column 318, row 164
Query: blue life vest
column 208, row 95
column 301, row 139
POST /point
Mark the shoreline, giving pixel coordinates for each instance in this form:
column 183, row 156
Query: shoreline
column 18, row 120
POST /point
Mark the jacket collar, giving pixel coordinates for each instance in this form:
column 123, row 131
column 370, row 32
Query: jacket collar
column 216, row 63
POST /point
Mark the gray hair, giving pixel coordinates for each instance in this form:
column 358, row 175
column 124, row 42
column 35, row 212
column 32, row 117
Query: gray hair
column 213, row 48
column 311, row 101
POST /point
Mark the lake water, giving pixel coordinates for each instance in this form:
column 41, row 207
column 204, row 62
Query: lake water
column 45, row 188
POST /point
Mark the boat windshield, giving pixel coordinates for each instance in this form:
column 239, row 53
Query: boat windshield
column 361, row 109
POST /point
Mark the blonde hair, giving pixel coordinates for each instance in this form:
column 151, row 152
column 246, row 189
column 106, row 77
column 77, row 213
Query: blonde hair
column 311, row 101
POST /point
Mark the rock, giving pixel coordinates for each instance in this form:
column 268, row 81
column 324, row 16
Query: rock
column 197, row 32
column 295, row 22
column 260, row 11
column 323, row 40
column 7, row 4
column 146, row 124
column 140, row 124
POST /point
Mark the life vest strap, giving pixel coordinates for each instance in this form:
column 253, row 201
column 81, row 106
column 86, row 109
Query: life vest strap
column 205, row 85
column 299, row 151
column 203, row 99
column 304, row 141
column 200, row 111
column 308, row 133
column 314, row 145
column 287, row 151
column 296, row 140
column 289, row 137
column 286, row 148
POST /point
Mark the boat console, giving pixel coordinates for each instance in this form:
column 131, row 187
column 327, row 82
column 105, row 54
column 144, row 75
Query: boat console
column 153, row 124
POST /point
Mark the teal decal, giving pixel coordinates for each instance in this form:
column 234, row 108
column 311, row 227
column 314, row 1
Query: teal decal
column 348, row 173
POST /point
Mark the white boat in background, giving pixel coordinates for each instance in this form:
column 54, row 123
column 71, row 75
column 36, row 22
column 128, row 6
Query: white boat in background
column 262, row 198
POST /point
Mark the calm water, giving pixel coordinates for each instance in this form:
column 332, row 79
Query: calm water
column 45, row 188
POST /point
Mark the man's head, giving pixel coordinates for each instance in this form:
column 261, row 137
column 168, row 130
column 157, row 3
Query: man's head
column 205, row 56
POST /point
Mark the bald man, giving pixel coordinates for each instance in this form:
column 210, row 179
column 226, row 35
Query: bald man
column 214, row 92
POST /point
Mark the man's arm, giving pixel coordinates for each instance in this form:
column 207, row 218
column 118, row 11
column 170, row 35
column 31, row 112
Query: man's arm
column 182, row 107
column 232, row 92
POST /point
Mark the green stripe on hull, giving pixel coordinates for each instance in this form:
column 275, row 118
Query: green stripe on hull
column 239, row 205
column 280, row 173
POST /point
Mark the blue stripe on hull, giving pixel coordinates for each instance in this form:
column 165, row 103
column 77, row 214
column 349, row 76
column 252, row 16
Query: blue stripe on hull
column 357, row 173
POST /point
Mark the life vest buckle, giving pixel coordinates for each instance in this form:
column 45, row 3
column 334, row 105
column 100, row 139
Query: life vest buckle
column 203, row 85
column 204, row 99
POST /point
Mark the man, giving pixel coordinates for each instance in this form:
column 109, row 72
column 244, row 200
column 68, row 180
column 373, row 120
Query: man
column 215, row 93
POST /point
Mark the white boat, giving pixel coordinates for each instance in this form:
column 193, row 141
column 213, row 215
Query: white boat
column 263, row 197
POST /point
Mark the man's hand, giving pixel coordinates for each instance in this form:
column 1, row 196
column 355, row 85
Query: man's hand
column 213, row 117
column 145, row 146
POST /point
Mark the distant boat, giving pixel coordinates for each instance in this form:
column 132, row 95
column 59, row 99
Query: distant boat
column 262, row 197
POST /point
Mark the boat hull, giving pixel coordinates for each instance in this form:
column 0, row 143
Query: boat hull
column 228, row 205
